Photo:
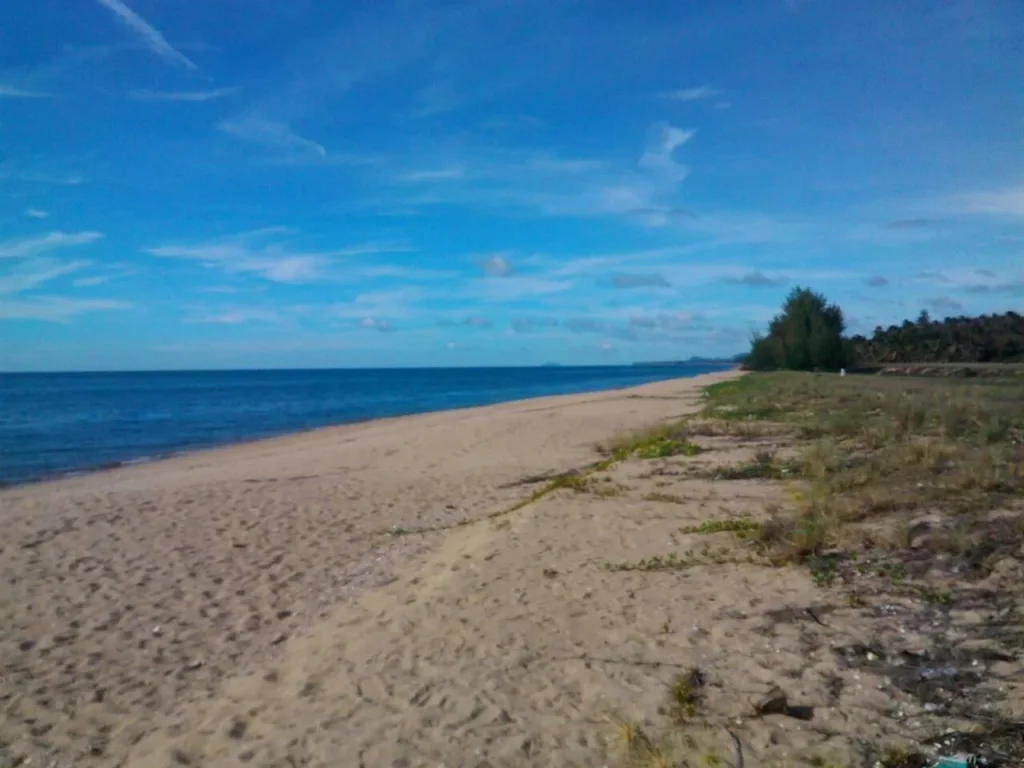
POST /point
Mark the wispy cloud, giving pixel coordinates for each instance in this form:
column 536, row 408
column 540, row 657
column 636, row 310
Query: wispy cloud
column 32, row 246
column 1008, row 201
column 255, row 252
column 944, row 304
column 35, row 213
column 437, row 174
column 1015, row 288
column 32, row 273
column 877, row 281
column 28, row 268
column 435, row 99
column 514, row 288
column 376, row 324
column 148, row 34
column 194, row 96
column 475, row 321
column 495, row 265
column 653, row 280
column 517, row 181
column 56, row 309
column 8, row 91
column 92, row 281
column 8, row 172
column 693, row 94
column 664, row 139
column 757, row 279
column 919, row 223
column 273, row 135
column 533, row 324
column 240, row 315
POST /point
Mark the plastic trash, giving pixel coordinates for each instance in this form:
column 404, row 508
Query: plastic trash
column 956, row 761
column 934, row 673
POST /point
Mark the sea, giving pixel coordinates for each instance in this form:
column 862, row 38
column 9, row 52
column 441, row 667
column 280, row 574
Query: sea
column 63, row 423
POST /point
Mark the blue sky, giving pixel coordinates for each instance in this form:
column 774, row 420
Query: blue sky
column 260, row 183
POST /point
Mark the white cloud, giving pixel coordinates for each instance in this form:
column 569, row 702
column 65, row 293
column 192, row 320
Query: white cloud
column 1008, row 201
column 94, row 280
column 438, row 174
column 55, row 308
column 10, row 173
column 31, row 273
column 13, row 92
column 248, row 252
column 239, row 315
column 148, row 34
column 693, row 94
column 376, row 324
column 90, row 282
column 32, row 246
column 496, row 265
column 195, row 96
column 35, row 213
column 515, row 288
column 272, row 135
column 435, row 99
column 664, row 139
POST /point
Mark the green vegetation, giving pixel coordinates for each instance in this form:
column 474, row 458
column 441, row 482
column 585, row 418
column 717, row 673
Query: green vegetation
column 657, row 442
column 879, row 450
column 899, row 486
column 985, row 339
column 808, row 336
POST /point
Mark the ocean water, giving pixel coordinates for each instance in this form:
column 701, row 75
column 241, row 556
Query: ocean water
column 52, row 424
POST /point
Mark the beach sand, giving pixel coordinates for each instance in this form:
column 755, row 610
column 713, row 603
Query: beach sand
column 246, row 605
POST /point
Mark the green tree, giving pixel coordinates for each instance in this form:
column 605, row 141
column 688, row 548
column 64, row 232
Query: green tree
column 806, row 336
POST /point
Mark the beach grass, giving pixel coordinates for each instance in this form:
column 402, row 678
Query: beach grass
column 873, row 452
column 886, row 478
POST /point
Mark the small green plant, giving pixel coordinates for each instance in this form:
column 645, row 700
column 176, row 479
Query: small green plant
column 895, row 572
column 663, row 447
column 711, row 759
column 666, row 498
column 823, row 570
column 936, row 596
column 685, row 695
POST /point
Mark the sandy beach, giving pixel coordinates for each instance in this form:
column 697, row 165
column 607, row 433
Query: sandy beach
column 387, row 594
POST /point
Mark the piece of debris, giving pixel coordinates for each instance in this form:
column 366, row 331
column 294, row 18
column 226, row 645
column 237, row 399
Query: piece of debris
column 774, row 702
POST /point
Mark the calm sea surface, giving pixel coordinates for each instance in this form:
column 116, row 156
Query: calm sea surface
column 52, row 424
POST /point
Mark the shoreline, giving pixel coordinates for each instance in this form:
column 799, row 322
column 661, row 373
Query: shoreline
column 185, row 452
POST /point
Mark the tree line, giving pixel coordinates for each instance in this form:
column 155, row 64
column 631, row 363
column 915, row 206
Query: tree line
column 808, row 334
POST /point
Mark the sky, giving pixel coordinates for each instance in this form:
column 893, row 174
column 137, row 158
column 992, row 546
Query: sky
column 271, row 183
